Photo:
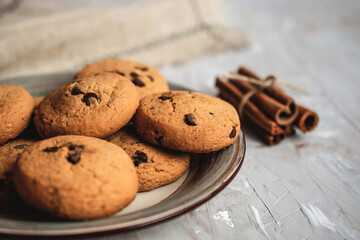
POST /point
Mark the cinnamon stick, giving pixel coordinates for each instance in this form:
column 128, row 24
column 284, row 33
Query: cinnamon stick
column 265, row 136
column 307, row 120
column 274, row 92
column 282, row 111
column 270, row 112
column 233, row 95
column 289, row 130
column 247, row 72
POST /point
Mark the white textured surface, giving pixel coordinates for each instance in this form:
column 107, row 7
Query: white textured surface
column 308, row 187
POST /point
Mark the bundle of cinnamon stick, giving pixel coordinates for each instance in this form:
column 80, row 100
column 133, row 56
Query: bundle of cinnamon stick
column 266, row 108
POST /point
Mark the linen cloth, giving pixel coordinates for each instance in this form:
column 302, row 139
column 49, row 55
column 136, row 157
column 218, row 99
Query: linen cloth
column 57, row 36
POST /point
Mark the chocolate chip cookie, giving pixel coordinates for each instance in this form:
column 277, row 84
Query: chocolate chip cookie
column 16, row 108
column 95, row 106
column 155, row 166
column 146, row 79
column 76, row 177
column 9, row 152
column 187, row 121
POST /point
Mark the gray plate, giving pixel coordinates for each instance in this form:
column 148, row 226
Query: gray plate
column 208, row 175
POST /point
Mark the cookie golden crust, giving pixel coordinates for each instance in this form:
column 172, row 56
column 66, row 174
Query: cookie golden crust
column 76, row 177
column 187, row 121
column 9, row 152
column 95, row 106
column 146, row 79
column 155, row 166
column 16, row 108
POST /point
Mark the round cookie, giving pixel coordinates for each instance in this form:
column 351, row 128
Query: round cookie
column 187, row 121
column 9, row 152
column 95, row 106
column 16, row 108
column 76, row 177
column 146, row 79
column 155, row 166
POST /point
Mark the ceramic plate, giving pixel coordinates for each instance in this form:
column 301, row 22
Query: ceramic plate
column 208, row 175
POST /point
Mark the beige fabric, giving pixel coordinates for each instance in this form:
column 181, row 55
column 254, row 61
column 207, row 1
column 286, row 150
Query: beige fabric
column 54, row 36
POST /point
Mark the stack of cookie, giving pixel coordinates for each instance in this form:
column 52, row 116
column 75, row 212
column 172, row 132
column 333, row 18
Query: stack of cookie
column 114, row 130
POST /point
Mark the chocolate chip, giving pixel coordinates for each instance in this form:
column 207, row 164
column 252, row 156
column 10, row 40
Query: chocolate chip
column 87, row 96
column 138, row 82
column 96, row 74
column 166, row 96
column 74, row 158
column 159, row 139
column 76, row 91
column 233, row 132
column 141, row 68
column 21, row 146
column 191, row 93
column 189, row 119
column 134, row 75
column 173, row 105
column 135, row 80
column 51, row 149
column 121, row 73
column 139, row 157
column 211, row 113
column 74, row 147
column 163, row 98
column 150, row 77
